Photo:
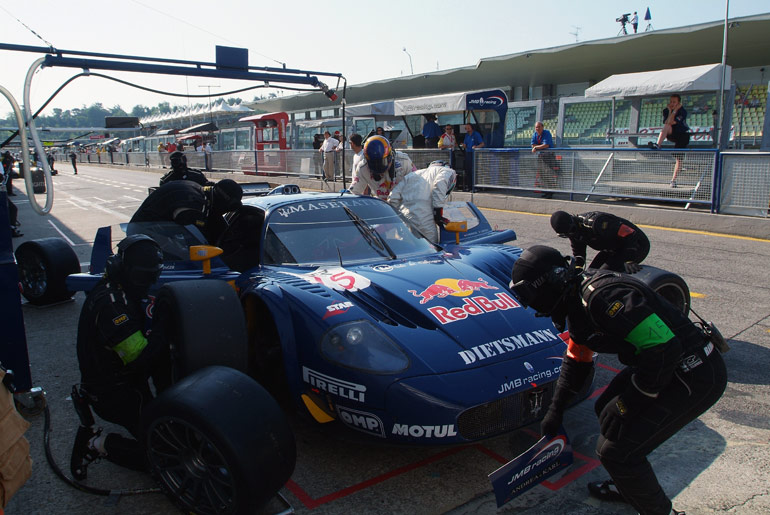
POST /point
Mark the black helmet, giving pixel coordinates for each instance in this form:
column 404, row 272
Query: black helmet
column 226, row 196
column 540, row 278
column 137, row 265
column 563, row 223
column 178, row 160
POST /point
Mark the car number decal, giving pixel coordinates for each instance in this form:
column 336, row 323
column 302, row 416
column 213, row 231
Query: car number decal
column 337, row 278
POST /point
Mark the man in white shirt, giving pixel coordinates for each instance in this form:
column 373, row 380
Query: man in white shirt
column 207, row 156
column 327, row 149
column 356, row 143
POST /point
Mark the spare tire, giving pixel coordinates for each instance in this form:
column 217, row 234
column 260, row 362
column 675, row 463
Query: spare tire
column 203, row 323
column 669, row 285
column 44, row 265
column 218, row 443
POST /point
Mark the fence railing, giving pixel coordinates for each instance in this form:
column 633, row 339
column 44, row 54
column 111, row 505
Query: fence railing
column 730, row 182
column 745, row 183
column 644, row 174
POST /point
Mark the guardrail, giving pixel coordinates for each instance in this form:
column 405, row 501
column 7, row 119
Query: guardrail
column 730, row 182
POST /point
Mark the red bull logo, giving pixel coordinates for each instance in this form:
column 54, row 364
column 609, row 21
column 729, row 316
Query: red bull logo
column 455, row 287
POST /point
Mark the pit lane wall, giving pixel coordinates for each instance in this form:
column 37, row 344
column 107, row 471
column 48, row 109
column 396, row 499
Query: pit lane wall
column 728, row 182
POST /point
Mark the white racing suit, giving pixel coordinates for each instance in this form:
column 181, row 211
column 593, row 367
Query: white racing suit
column 419, row 193
column 362, row 177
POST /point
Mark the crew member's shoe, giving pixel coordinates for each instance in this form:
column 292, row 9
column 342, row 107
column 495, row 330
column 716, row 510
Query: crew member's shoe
column 653, row 146
column 15, row 233
column 605, row 491
column 673, row 184
column 83, row 452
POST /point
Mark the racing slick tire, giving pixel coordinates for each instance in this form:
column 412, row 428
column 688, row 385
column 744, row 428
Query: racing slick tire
column 217, row 442
column 669, row 285
column 203, row 323
column 44, row 265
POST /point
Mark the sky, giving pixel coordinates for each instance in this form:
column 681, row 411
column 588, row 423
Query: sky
column 364, row 44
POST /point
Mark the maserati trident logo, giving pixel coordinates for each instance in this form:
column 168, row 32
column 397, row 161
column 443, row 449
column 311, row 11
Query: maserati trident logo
column 535, row 402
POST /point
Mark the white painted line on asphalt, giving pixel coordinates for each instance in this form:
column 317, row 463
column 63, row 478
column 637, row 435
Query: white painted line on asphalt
column 100, row 208
column 103, row 200
column 61, row 233
column 76, row 205
column 132, row 198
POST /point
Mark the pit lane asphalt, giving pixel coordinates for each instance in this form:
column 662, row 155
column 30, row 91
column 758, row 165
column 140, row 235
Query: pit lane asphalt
column 718, row 463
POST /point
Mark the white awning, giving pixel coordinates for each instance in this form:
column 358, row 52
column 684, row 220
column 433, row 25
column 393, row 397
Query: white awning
column 661, row 82
column 432, row 104
column 371, row 109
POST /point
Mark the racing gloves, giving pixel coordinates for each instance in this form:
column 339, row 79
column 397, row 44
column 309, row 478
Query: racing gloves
column 631, row 267
column 571, row 379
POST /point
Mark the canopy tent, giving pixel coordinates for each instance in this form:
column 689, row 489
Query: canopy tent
column 201, row 127
column 166, row 132
column 662, row 82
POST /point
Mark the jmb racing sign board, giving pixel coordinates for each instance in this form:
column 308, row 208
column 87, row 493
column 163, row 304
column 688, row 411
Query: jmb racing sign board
column 544, row 459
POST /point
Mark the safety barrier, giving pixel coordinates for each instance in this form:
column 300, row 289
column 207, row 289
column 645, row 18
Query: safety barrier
column 745, row 183
column 642, row 174
column 742, row 178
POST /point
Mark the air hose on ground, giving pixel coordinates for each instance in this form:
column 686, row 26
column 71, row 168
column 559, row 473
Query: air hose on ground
column 77, row 484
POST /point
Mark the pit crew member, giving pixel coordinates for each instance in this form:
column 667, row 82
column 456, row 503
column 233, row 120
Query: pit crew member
column 421, row 196
column 672, row 375
column 117, row 355
column 621, row 244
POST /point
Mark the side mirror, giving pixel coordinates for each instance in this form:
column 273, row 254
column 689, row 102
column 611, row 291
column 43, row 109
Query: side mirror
column 457, row 228
column 204, row 253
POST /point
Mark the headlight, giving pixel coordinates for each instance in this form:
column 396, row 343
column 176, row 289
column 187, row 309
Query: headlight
column 363, row 346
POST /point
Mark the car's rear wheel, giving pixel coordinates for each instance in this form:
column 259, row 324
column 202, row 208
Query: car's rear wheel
column 202, row 321
column 218, row 443
column 668, row 284
column 44, row 265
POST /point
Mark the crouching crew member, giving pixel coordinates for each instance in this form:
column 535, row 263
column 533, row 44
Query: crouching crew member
column 117, row 355
column 189, row 203
column 673, row 372
column 621, row 245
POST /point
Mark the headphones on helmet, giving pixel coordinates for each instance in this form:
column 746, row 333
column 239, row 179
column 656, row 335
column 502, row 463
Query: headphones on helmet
column 115, row 262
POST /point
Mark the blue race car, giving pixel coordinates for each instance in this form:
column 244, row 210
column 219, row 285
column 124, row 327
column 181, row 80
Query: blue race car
column 358, row 319
column 367, row 325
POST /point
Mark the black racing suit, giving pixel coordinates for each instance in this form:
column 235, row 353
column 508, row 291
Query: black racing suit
column 183, row 202
column 617, row 240
column 672, row 375
column 188, row 174
column 117, row 354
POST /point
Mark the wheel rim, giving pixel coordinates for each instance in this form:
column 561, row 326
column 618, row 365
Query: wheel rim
column 191, row 467
column 675, row 295
column 33, row 276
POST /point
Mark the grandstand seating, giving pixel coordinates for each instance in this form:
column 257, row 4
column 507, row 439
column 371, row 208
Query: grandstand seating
column 587, row 123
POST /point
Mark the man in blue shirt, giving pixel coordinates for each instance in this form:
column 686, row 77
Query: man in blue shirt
column 431, row 131
column 473, row 140
column 546, row 163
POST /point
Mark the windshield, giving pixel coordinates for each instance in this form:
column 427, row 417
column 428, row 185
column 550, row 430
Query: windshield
column 332, row 231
